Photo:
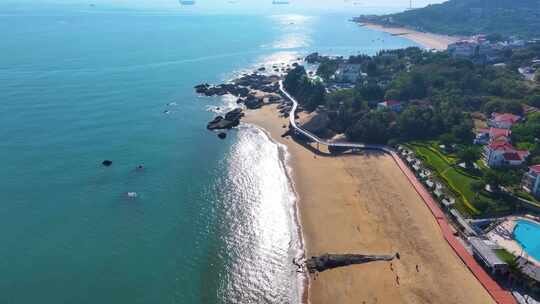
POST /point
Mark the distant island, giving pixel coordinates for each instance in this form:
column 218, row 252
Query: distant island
column 469, row 17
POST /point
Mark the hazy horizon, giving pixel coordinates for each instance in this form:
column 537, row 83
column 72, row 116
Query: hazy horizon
column 221, row 5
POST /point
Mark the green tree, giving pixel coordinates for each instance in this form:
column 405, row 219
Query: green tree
column 477, row 187
column 534, row 100
column 447, row 139
column 468, row 155
column 463, row 132
column 327, row 68
column 492, row 178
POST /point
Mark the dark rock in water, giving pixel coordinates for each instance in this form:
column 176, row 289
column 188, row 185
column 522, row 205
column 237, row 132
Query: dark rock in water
column 222, row 135
column 261, row 69
column 295, row 64
column 235, row 114
column 330, row 261
column 107, row 163
column 202, row 88
column 231, row 120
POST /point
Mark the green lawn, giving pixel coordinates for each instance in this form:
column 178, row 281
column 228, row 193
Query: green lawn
column 526, row 196
column 456, row 181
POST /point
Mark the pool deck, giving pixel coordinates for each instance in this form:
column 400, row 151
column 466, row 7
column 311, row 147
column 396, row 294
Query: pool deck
column 503, row 235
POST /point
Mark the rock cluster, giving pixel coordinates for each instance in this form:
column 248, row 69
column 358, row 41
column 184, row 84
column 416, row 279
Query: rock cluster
column 253, row 90
column 231, row 120
column 222, row 89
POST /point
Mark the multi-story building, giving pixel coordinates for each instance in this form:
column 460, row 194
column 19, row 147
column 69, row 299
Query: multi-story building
column 531, row 181
column 502, row 153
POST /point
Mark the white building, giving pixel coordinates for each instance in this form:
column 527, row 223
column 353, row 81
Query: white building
column 531, row 181
column 348, row 72
column 463, row 49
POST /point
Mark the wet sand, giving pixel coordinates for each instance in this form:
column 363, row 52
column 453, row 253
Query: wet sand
column 428, row 40
column 364, row 204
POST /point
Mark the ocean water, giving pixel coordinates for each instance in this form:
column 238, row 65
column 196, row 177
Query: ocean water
column 526, row 233
column 214, row 221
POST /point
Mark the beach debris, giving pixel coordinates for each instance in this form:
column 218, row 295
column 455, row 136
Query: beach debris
column 330, row 261
column 222, row 135
column 107, row 163
column 132, row 195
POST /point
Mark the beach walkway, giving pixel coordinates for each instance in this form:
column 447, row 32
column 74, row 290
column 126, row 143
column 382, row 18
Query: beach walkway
column 500, row 295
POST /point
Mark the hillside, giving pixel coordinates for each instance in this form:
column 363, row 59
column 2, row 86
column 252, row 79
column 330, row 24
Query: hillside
column 468, row 17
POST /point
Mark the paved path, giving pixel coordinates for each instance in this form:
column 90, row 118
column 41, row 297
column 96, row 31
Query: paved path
column 500, row 295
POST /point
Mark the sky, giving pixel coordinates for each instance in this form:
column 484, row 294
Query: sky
column 363, row 6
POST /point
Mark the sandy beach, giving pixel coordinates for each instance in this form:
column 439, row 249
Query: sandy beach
column 364, row 204
column 428, row 40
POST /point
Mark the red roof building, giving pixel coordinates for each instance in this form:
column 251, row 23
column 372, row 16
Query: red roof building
column 535, row 169
column 502, row 153
column 393, row 105
column 503, row 120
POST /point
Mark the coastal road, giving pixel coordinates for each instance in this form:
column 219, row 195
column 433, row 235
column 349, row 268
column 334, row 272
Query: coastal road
column 500, row 295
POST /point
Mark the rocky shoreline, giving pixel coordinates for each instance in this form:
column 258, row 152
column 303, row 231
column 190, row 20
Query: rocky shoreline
column 252, row 91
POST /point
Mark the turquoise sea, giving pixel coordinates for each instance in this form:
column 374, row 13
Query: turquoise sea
column 214, row 221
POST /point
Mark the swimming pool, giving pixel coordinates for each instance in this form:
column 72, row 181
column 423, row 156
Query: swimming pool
column 527, row 234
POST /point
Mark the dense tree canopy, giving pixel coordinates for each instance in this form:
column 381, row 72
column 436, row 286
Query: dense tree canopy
column 469, row 17
column 436, row 93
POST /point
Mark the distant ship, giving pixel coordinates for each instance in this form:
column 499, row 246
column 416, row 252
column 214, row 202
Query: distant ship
column 280, row 2
column 187, row 2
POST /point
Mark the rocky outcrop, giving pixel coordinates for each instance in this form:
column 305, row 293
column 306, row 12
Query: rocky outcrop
column 221, row 89
column 254, row 103
column 231, row 120
column 242, row 86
